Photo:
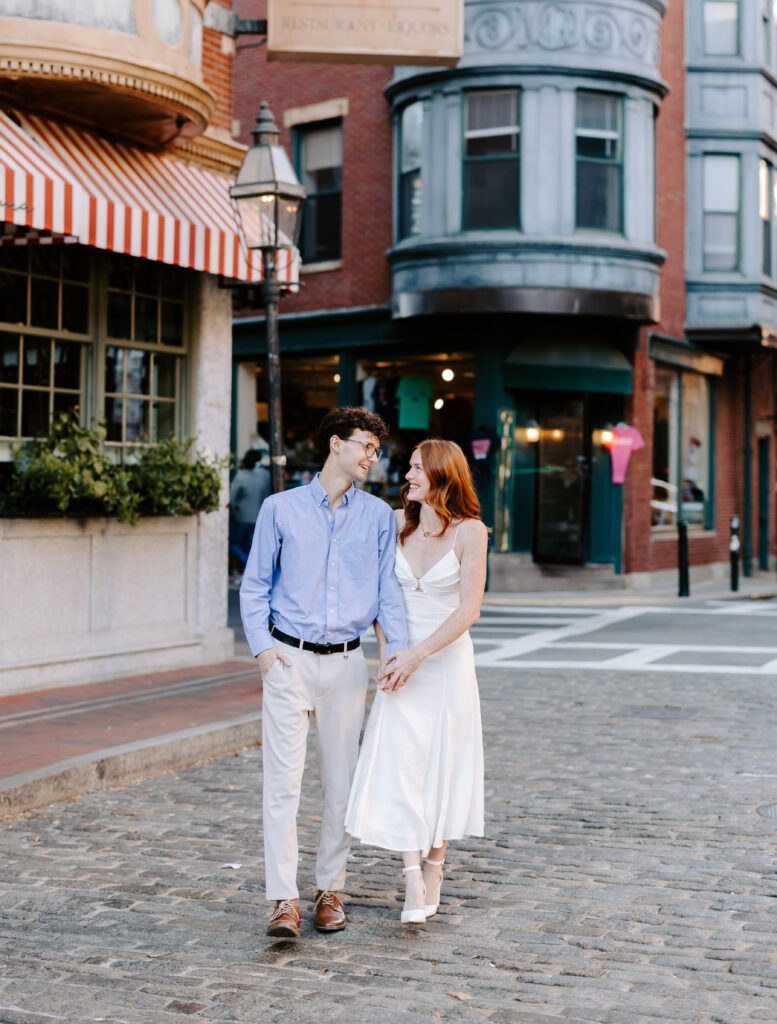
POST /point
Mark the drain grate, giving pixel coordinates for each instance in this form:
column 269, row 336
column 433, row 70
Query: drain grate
column 767, row 810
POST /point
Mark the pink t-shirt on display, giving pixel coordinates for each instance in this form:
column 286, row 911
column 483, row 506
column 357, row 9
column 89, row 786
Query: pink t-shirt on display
column 625, row 440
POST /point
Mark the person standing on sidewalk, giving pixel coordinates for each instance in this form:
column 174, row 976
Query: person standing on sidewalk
column 250, row 487
column 319, row 573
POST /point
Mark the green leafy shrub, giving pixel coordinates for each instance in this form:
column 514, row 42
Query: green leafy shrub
column 67, row 472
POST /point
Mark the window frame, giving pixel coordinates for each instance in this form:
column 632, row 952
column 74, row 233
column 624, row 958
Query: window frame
column 298, row 133
column 27, row 332
column 484, row 133
column 709, row 520
column 766, row 200
column 737, row 268
column 620, row 135
column 402, row 175
column 736, row 52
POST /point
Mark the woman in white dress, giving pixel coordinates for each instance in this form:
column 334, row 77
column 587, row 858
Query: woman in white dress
column 419, row 779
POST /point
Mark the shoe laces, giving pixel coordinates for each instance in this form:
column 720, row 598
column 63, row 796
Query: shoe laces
column 284, row 907
column 328, row 898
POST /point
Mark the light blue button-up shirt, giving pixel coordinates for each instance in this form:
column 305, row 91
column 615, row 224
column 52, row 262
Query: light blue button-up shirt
column 320, row 574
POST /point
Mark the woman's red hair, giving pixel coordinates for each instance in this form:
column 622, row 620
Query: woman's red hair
column 452, row 493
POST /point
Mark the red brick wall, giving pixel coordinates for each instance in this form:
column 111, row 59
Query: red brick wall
column 217, row 72
column 364, row 279
column 641, row 551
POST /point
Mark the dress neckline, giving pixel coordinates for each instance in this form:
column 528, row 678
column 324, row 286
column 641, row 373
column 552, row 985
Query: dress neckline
column 450, row 551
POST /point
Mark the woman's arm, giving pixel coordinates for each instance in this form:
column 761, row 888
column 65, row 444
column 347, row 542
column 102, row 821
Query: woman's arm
column 380, row 636
column 474, row 553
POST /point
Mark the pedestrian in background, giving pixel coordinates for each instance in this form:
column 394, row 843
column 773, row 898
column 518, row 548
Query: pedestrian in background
column 250, row 487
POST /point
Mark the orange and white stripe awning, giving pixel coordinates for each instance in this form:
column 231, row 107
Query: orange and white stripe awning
column 125, row 199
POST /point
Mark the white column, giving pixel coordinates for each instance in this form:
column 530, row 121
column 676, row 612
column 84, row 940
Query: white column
column 541, row 171
column 209, row 405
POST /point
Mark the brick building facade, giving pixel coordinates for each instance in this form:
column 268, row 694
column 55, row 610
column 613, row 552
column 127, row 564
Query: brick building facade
column 574, row 316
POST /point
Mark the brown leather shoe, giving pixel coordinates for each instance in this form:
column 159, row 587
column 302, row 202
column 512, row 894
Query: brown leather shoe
column 284, row 920
column 330, row 916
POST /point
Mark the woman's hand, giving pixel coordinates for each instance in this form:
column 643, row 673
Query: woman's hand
column 399, row 668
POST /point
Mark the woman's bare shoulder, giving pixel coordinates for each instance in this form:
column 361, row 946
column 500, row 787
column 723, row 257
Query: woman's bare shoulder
column 399, row 516
column 473, row 529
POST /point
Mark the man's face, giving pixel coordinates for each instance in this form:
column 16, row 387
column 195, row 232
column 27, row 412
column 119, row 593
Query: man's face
column 352, row 454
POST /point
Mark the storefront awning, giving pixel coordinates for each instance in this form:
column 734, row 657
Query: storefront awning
column 124, row 199
column 585, row 365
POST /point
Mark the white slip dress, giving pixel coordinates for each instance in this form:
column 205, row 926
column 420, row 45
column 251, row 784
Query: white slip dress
column 419, row 779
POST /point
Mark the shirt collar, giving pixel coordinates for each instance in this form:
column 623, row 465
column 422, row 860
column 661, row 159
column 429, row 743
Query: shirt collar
column 320, row 496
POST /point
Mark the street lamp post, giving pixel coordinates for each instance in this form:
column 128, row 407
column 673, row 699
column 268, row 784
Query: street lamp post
column 269, row 199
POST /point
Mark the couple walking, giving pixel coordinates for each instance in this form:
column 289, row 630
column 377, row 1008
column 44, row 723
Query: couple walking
column 327, row 561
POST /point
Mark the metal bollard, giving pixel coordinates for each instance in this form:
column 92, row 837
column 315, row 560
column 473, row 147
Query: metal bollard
column 734, row 546
column 684, row 589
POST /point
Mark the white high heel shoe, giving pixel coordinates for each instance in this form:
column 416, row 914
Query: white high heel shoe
column 430, row 909
column 413, row 916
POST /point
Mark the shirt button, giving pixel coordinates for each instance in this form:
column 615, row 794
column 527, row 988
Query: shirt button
column 331, row 588
column 332, row 564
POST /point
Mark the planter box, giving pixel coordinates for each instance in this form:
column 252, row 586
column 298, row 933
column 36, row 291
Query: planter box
column 83, row 600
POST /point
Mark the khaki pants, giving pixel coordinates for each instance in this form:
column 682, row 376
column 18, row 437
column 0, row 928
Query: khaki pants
column 334, row 687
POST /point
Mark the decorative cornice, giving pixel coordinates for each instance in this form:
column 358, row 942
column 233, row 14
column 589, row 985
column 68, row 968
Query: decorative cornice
column 468, row 246
column 216, row 151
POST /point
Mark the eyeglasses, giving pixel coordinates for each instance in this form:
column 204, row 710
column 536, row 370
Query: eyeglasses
column 369, row 449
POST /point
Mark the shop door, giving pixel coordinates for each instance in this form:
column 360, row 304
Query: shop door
column 562, row 483
column 763, row 503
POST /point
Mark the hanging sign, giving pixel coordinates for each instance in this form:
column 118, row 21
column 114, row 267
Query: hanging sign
column 426, row 32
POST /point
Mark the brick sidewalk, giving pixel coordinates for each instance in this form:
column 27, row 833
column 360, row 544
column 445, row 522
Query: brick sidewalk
column 45, row 732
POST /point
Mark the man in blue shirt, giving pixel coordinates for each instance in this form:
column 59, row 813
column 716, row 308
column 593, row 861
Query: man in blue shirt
column 320, row 572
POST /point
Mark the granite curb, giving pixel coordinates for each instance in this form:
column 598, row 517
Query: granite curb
column 130, row 762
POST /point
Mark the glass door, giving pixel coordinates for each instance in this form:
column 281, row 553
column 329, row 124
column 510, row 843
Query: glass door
column 561, row 468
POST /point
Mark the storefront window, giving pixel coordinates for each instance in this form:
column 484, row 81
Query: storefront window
column 42, row 288
column 142, row 378
column 681, row 448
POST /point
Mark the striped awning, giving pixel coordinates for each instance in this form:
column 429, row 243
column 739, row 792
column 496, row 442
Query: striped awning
column 124, row 199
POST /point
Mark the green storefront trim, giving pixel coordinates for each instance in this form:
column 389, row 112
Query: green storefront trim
column 569, row 366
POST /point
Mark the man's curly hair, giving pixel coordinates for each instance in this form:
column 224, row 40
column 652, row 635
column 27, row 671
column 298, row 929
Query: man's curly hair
column 344, row 421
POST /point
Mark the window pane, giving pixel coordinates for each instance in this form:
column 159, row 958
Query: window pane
column 720, row 241
column 64, row 402
column 37, row 362
column 695, row 446
column 113, row 413
column 763, row 189
column 75, row 308
column 44, row 259
column 410, row 204
column 321, row 228
column 721, row 184
column 491, row 194
column 44, row 303
column 721, row 27
column 67, row 365
column 164, row 376
column 411, row 132
column 146, row 313
column 138, row 371
column 121, row 270
column 137, row 425
column 15, row 257
column 13, row 298
column 75, row 263
column 9, row 399
column 663, row 505
column 598, row 147
column 493, row 145
column 492, row 109
column 599, row 196
column 172, row 281
column 172, row 323
column 146, row 277
column 35, row 413
column 119, row 315
column 322, row 158
column 164, row 420
column 9, row 359
column 114, row 369
column 598, row 112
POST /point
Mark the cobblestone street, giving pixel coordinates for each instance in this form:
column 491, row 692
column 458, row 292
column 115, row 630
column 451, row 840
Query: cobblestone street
column 626, row 877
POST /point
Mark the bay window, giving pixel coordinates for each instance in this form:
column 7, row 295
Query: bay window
column 599, row 146
column 492, row 159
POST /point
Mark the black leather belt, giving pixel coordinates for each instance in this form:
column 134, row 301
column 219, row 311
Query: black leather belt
column 306, row 645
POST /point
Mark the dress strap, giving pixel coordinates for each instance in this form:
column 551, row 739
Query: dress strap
column 453, row 545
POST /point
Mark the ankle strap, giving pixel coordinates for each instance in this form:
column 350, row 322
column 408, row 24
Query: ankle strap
column 437, row 863
column 413, row 867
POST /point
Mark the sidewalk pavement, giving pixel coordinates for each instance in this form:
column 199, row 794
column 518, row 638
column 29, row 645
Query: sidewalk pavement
column 62, row 743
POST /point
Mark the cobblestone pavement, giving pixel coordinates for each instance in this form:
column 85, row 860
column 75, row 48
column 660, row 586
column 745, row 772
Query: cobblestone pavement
column 626, row 877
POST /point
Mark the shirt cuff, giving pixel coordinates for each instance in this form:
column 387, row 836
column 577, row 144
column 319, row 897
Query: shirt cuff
column 260, row 641
column 394, row 648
